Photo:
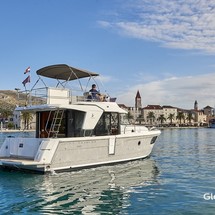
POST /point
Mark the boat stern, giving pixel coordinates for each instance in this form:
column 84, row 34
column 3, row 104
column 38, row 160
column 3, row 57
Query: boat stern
column 28, row 153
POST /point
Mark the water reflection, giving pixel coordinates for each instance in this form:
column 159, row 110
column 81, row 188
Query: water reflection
column 89, row 191
column 173, row 180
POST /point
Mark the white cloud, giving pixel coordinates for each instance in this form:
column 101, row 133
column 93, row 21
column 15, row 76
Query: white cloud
column 176, row 91
column 104, row 79
column 104, row 24
column 186, row 24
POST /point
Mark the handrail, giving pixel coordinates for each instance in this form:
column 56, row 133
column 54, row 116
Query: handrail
column 53, row 95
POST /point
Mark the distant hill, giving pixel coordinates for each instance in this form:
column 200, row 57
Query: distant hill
column 9, row 99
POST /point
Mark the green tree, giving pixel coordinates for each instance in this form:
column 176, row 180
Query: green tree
column 27, row 117
column 5, row 113
column 10, row 125
column 190, row 117
column 140, row 118
column 171, row 117
column 180, row 116
column 161, row 118
column 129, row 116
column 151, row 116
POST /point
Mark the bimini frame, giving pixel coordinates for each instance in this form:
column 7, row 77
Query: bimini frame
column 63, row 73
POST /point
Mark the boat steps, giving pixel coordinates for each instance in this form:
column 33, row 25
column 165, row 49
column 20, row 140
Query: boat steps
column 19, row 161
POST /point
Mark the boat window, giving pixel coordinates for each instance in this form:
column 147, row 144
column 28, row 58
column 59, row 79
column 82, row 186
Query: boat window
column 69, row 123
column 108, row 124
column 124, row 119
column 74, row 123
column 60, row 123
column 51, row 124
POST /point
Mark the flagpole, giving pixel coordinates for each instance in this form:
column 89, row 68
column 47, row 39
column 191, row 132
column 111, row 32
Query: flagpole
column 27, row 80
column 26, row 99
column 30, row 102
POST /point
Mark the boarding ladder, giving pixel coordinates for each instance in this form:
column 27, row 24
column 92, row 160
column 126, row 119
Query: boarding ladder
column 56, row 123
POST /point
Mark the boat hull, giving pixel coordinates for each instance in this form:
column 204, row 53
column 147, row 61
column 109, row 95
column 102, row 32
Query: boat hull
column 212, row 125
column 68, row 154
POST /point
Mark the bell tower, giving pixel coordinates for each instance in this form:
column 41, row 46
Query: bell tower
column 196, row 105
column 138, row 100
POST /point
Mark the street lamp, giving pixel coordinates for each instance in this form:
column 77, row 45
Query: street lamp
column 17, row 91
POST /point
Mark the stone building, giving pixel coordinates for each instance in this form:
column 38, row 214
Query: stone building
column 209, row 112
column 200, row 117
column 167, row 112
column 152, row 114
column 170, row 114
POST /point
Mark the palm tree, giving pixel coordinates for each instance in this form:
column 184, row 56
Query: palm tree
column 27, row 117
column 171, row 117
column 180, row 116
column 151, row 116
column 161, row 118
column 140, row 118
column 129, row 116
column 190, row 117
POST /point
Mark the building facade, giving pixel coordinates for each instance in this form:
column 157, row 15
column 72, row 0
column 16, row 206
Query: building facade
column 156, row 114
column 168, row 115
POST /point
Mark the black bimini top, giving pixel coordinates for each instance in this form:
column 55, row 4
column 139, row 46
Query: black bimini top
column 64, row 72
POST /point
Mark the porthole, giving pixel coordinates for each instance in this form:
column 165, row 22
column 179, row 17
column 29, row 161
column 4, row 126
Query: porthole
column 139, row 142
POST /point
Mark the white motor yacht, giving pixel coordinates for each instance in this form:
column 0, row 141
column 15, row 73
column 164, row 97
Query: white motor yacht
column 74, row 131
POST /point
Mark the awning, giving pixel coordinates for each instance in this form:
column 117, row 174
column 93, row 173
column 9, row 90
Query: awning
column 64, row 72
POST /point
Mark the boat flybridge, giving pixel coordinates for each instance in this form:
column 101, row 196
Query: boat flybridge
column 74, row 131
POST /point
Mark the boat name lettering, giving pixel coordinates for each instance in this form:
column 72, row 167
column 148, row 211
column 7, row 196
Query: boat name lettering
column 85, row 142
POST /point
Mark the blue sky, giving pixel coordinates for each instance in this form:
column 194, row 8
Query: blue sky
column 165, row 49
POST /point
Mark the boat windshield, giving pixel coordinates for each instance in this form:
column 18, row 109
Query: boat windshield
column 124, row 119
column 108, row 124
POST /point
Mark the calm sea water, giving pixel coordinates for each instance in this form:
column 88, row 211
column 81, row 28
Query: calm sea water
column 179, row 178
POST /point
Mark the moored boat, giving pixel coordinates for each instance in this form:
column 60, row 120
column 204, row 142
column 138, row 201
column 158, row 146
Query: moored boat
column 211, row 123
column 75, row 131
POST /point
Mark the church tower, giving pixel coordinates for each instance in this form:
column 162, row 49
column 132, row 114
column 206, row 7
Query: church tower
column 138, row 100
column 196, row 105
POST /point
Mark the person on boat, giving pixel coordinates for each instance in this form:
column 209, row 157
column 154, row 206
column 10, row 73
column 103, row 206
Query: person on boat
column 93, row 93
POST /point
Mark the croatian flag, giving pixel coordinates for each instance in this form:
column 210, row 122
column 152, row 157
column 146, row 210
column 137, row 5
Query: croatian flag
column 27, row 80
column 27, row 70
